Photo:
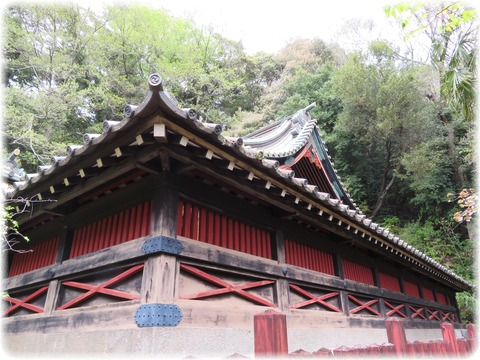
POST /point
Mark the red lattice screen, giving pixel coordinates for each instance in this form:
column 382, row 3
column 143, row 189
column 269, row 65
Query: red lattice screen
column 116, row 229
column 357, row 272
column 36, row 257
column 211, row 227
column 308, row 257
column 389, row 282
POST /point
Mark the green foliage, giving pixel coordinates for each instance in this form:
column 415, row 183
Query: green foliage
column 467, row 303
column 386, row 118
column 11, row 235
column 451, row 29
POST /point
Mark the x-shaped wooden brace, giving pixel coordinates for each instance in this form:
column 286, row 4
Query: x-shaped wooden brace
column 417, row 312
column 363, row 306
column 395, row 309
column 226, row 287
column 314, row 299
column 25, row 302
column 433, row 314
column 448, row 316
column 102, row 288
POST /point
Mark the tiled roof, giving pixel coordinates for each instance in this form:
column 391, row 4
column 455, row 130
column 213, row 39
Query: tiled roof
column 159, row 119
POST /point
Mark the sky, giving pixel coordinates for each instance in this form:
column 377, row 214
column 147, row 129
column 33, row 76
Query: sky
column 267, row 25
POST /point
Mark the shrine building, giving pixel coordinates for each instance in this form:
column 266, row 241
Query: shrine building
column 163, row 236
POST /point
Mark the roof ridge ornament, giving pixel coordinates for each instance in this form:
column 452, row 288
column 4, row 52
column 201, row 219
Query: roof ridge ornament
column 155, row 82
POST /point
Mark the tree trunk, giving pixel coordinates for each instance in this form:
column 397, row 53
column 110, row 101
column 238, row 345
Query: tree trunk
column 459, row 174
column 379, row 204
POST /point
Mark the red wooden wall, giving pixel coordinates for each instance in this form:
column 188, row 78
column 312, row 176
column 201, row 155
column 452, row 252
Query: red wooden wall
column 357, row 272
column 308, row 257
column 41, row 255
column 211, row 227
column 116, row 229
column 441, row 298
column 428, row 294
column 389, row 282
column 411, row 288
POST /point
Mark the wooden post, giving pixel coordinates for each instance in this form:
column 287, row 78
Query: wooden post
column 282, row 289
column 54, row 288
column 158, row 284
column 396, row 335
column 448, row 333
column 270, row 334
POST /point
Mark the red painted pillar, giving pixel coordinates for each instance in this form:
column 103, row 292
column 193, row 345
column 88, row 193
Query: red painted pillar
column 448, row 333
column 396, row 335
column 270, row 333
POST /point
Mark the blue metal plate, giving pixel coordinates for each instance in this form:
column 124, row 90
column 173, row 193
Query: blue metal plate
column 158, row 315
column 162, row 244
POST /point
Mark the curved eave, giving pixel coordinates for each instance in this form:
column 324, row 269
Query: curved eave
column 158, row 107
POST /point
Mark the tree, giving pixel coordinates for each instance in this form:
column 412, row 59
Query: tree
column 69, row 69
column 385, row 117
column 450, row 31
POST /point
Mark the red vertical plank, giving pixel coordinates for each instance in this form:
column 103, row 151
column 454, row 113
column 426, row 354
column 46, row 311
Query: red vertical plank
column 195, row 222
column 270, row 334
column 131, row 224
column 313, row 253
column 187, row 227
column 321, row 259
column 241, row 236
column 94, row 240
column 108, row 231
column 210, row 227
column 230, row 236
column 81, row 235
column 448, row 334
column 295, row 253
column 83, row 239
column 122, row 226
column 33, row 258
column 115, row 228
column 50, row 252
column 396, row 335
column 138, row 222
column 22, row 263
column 86, row 236
column 288, row 251
column 268, row 246
column 247, row 239
column 224, row 239
column 253, row 238
column 73, row 249
column 202, row 225
column 119, row 230
column 318, row 261
column 42, row 254
column 98, row 244
column 236, row 233
column 217, row 231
